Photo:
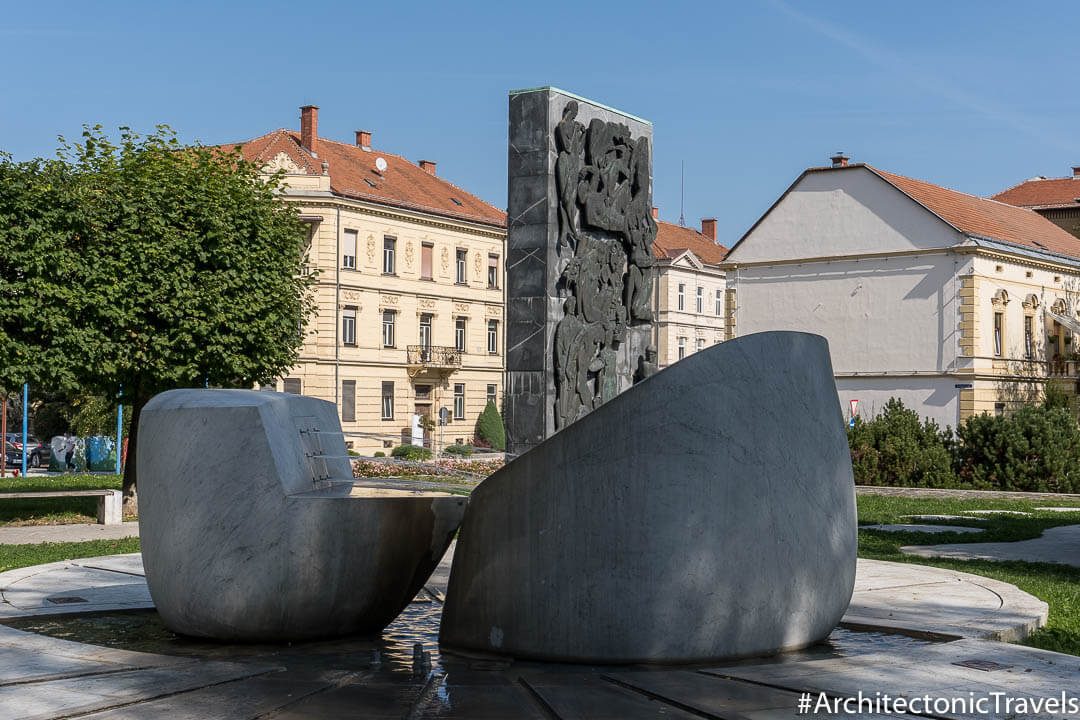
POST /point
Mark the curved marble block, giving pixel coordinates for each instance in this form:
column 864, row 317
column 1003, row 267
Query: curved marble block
column 706, row 513
column 252, row 529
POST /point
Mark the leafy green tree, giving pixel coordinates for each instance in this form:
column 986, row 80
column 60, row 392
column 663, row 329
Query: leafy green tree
column 489, row 428
column 43, row 272
column 192, row 266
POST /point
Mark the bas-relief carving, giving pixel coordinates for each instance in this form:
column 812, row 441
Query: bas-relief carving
column 461, row 307
column 371, row 249
column 409, row 254
column 606, row 231
column 444, row 260
column 426, row 304
column 389, row 299
column 478, row 264
column 282, row 161
column 493, row 311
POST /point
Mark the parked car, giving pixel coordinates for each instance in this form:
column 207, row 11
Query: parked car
column 38, row 453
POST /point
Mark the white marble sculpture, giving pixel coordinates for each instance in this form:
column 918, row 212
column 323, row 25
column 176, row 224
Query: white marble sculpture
column 252, row 528
column 706, row 513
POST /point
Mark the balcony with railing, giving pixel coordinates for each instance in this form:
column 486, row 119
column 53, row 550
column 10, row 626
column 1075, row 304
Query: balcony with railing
column 445, row 360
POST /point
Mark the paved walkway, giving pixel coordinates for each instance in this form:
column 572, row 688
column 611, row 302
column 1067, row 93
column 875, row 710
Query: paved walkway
column 1056, row 545
column 80, row 532
column 962, row 494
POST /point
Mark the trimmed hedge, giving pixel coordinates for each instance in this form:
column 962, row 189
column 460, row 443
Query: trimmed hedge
column 411, row 452
column 463, row 450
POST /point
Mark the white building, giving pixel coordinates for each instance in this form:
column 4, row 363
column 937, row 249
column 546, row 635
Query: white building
column 939, row 298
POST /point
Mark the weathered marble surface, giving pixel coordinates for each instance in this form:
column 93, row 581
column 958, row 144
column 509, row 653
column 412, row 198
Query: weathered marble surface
column 250, row 530
column 706, row 513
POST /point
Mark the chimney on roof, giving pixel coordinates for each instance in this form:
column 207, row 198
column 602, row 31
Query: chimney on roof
column 1076, row 172
column 309, row 127
column 427, row 166
column 655, row 213
column 839, row 159
column 708, row 228
column 363, row 139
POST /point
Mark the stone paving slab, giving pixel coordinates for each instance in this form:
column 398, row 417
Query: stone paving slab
column 95, row 584
column 1059, row 509
column 923, row 528
column 923, row 600
column 76, row 532
column 941, row 517
column 926, row 670
column 1056, row 545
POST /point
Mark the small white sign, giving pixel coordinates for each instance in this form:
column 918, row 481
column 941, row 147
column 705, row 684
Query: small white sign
column 854, row 408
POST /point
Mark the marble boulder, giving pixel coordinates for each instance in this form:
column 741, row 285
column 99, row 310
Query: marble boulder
column 707, row 513
column 252, row 529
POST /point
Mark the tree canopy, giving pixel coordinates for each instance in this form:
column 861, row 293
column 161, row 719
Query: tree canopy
column 147, row 265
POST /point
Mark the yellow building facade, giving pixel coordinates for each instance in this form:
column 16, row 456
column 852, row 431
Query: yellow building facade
column 409, row 294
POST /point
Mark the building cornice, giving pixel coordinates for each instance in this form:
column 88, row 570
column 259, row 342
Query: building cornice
column 324, row 200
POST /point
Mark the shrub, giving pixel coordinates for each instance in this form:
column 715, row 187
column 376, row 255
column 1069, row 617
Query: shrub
column 380, row 453
column 463, row 450
column 489, row 428
column 1037, row 449
column 411, row 452
column 897, row 448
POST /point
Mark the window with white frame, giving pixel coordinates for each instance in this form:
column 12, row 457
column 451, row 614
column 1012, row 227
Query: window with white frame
column 462, row 256
column 389, row 250
column 493, row 337
column 682, row 296
column 388, row 328
column 493, row 271
column 719, row 303
column 348, row 325
column 492, row 393
column 348, row 250
column 388, row 400
column 459, row 334
column 700, row 344
column 700, row 300
column 459, row 401
column 682, row 348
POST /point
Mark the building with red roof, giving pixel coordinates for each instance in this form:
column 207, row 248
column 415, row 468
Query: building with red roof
column 689, row 290
column 953, row 303
column 410, row 291
column 1056, row 199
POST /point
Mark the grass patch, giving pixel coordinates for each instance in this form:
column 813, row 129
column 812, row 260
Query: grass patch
column 1056, row 585
column 53, row 511
column 18, row 556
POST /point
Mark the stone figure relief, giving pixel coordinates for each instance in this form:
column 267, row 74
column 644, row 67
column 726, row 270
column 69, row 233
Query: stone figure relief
column 444, row 260
column 478, row 264
column 409, row 253
column 606, row 232
column 371, row 249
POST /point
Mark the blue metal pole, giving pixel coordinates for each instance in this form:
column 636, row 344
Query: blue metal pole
column 119, row 430
column 25, row 404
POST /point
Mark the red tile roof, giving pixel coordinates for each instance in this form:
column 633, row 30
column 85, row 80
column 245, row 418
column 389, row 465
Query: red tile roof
column 987, row 218
column 353, row 174
column 672, row 240
column 1042, row 192
column 978, row 216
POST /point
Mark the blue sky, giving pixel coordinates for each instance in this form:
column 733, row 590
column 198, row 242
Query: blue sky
column 975, row 96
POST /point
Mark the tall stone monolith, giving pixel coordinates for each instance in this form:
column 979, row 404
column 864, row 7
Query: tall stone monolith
column 579, row 262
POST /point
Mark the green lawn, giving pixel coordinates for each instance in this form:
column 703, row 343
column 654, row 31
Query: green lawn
column 17, row 556
column 52, row 511
column 1057, row 585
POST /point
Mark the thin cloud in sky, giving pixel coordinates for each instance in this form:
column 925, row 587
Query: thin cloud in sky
column 900, row 66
